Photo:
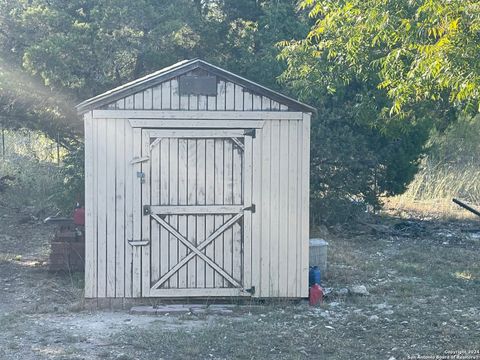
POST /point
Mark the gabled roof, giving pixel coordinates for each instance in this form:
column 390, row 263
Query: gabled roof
column 181, row 68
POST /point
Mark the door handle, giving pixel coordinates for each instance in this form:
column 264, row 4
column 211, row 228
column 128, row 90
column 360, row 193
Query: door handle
column 139, row 242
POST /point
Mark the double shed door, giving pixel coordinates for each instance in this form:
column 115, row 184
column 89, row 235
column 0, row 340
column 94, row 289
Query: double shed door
column 196, row 204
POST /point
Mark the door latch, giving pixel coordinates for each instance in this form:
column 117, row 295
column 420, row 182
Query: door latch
column 141, row 176
column 146, row 210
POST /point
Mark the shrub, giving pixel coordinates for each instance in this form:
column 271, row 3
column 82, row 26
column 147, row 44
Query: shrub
column 42, row 176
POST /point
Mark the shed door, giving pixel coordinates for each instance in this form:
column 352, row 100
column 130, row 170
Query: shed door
column 196, row 197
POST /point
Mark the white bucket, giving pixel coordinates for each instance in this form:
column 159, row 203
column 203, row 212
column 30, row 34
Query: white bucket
column 318, row 254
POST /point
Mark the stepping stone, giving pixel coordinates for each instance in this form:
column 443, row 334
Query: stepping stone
column 160, row 310
column 198, row 311
column 220, row 311
column 222, row 306
column 172, row 309
column 143, row 310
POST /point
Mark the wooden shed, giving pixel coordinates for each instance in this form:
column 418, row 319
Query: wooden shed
column 197, row 185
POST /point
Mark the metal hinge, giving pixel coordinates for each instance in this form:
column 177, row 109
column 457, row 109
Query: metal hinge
column 251, row 290
column 251, row 208
column 250, row 132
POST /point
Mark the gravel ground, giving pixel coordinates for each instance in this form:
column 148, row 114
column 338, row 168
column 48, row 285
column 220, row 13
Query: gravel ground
column 422, row 278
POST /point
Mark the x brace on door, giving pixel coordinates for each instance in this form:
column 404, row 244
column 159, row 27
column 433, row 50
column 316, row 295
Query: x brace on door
column 197, row 251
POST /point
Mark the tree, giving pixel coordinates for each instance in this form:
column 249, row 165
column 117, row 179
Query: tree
column 54, row 54
column 369, row 137
column 421, row 49
column 26, row 103
column 375, row 111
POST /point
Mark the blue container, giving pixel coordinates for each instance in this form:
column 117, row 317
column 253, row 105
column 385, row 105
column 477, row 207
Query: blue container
column 314, row 276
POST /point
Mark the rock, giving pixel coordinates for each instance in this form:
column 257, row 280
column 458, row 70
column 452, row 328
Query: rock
column 359, row 290
column 143, row 310
column 327, row 292
column 342, row 292
column 172, row 309
column 373, row 318
column 161, row 310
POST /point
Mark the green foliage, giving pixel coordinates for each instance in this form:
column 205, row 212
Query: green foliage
column 421, row 50
column 369, row 68
column 27, row 103
column 86, row 47
column 354, row 163
column 383, row 74
column 31, row 162
column 72, row 172
column 360, row 151
column 57, row 53
column 251, row 47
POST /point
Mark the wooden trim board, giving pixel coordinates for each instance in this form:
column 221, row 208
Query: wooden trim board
column 203, row 115
column 175, row 123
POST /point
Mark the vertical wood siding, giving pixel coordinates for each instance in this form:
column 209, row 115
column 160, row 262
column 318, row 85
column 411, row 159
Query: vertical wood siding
column 166, row 96
column 279, row 229
column 109, row 202
column 280, row 190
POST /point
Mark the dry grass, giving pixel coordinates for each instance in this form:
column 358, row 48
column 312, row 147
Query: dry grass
column 443, row 209
column 451, row 170
column 431, row 192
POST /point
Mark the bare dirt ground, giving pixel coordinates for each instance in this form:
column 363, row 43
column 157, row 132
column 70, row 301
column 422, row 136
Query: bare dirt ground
column 422, row 275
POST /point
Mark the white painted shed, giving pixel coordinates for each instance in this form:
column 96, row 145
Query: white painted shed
column 197, row 185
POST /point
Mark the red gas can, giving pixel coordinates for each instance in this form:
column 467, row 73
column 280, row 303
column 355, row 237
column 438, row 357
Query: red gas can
column 316, row 295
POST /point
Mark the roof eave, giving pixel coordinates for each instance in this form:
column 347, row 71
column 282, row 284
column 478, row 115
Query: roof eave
column 178, row 69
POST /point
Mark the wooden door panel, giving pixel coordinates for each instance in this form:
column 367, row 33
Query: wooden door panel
column 196, row 187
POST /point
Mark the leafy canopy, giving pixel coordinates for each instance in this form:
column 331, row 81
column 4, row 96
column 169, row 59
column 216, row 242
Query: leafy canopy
column 368, row 66
column 81, row 48
column 421, row 49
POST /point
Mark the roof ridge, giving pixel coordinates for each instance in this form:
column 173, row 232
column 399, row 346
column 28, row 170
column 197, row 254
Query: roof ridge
column 178, row 69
